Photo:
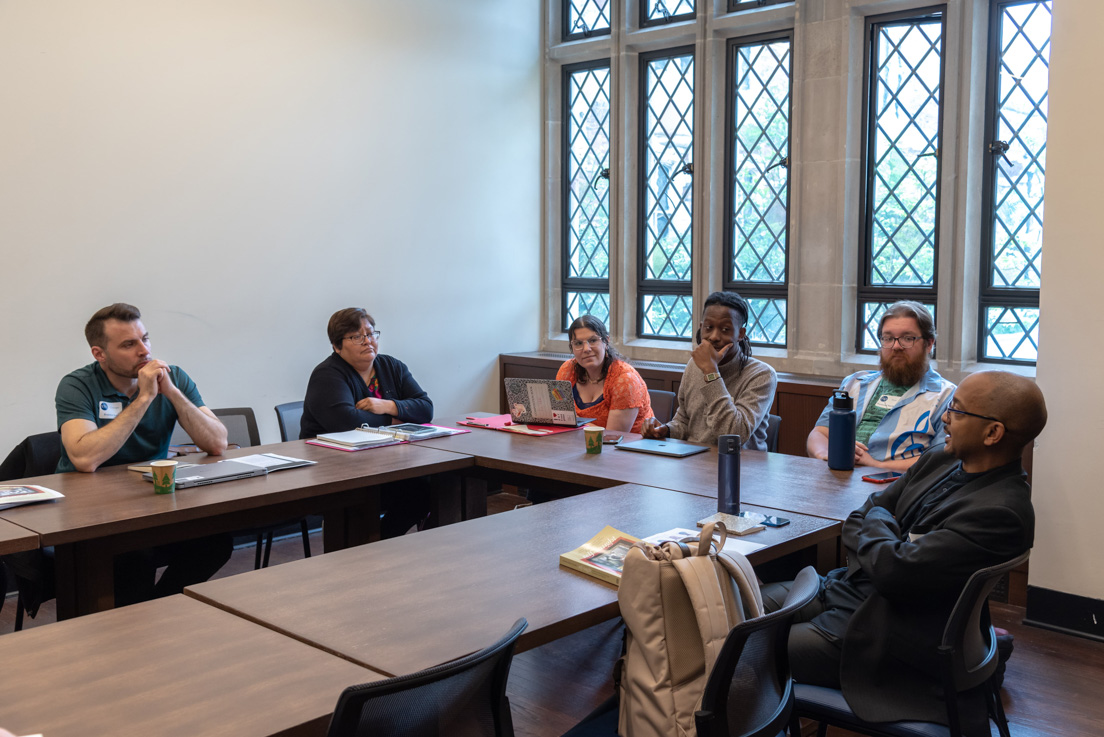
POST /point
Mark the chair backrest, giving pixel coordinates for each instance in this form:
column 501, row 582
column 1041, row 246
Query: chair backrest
column 968, row 637
column 663, row 404
column 774, row 422
column 37, row 455
column 288, row 416
column 749, row 692
column 241, row 427
column 464, row 697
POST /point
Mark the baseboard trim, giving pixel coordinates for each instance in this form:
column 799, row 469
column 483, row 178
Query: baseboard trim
column 1066, row 613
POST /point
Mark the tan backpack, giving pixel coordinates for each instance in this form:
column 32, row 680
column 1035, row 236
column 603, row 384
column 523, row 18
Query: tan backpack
column 679, row 601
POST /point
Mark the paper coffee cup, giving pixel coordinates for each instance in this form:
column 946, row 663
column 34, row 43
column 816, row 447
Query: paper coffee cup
column 593, row 435
column 164, row 477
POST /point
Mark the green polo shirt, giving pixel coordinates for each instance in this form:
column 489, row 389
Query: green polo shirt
column 86, row 394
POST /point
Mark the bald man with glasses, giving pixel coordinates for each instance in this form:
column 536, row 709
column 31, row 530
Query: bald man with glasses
column 910, row 550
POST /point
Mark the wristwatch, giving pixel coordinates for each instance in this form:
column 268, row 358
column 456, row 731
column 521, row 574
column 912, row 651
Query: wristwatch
column 712, row 376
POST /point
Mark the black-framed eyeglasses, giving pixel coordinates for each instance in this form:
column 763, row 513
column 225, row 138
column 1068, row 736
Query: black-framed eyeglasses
column 952, row 410
column 362, row 338
column 906, row 341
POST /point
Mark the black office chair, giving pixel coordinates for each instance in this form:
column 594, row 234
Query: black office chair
column 288, row 416
column 749, row 692
column 969, row 660
column 466, row 696
column 241, row 430
column 33, row 570
column 774, row 423
column 663, row 404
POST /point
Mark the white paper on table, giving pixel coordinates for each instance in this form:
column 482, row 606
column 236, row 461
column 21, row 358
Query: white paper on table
column 269, row 460
column 732, row 544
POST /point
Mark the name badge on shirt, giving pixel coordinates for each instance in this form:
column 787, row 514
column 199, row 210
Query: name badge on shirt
column 887, row 402
column 110, row 410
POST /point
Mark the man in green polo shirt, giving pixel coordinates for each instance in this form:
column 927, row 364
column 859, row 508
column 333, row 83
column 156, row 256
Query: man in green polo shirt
column 123, row 408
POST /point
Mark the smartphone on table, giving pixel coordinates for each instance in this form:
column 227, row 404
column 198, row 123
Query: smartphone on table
column 882, row 478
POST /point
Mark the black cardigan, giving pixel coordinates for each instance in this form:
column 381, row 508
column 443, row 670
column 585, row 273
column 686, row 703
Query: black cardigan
column 335, row 387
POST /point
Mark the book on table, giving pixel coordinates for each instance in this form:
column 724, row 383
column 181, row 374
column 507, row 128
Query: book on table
column 603, row 556
column 361, row 437
column 14, row 496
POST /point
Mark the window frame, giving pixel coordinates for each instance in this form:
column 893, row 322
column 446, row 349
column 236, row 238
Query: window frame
column 652, row 287
column 747, row 289
column 566, row 34
column 570, row 284
column 866, row 293
column 645, row 22
column 988, row 295
column 736, row 6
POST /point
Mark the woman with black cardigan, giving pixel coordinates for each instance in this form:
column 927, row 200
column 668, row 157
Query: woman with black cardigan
column 357, row 386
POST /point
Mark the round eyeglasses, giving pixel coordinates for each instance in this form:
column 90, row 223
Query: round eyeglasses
column 592, row 342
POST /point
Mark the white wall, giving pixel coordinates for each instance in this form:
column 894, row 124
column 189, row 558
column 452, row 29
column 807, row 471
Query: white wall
column 1067, row 490
column 239, row 169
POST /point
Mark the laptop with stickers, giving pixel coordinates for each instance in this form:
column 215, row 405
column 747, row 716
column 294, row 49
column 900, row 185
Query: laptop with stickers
column 542, row 402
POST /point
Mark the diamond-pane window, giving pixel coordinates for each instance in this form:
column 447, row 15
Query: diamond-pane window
column 760, row 195
column 667, row 183
column 903, row 153
column 872, row 315
column 757, row 230
column 767, row 322
column 666, row 11
column 584, row 18
column 1017, row 134
column 586, row 190
column 1012, row 333
column 587, row 303
column 667, row 315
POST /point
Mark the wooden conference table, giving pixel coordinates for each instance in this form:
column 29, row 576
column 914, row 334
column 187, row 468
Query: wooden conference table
column 411, row 602
column 781, row 482
column 172, row 667
column 114, row 510
column 16, row 539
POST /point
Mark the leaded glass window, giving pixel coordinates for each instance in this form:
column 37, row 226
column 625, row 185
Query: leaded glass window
column 585, row 18
column 586, row 191
column 757, row 226
column 666, row 194
column 902, row 160
column 1019, row 73
column 656, row 12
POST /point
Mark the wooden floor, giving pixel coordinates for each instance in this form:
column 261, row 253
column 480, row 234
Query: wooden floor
column 1052, row 687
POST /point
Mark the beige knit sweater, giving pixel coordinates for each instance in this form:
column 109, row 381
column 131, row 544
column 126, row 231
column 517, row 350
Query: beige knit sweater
column 735, row 404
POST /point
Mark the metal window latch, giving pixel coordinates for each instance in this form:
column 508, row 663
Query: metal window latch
column 784, row 161
column 687, row 168
column 1000, row 148
column 604, row 174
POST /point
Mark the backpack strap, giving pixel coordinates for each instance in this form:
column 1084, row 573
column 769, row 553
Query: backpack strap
column 739, row 568
column 699, row 576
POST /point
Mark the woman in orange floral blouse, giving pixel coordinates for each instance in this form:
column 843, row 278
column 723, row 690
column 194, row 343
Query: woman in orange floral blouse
column 606, row 388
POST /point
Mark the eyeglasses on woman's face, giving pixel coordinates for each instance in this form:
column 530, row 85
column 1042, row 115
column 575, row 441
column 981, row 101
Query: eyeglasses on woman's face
column 362, row 338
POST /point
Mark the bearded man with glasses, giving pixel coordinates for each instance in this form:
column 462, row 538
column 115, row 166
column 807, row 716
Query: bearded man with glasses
column 899, row 408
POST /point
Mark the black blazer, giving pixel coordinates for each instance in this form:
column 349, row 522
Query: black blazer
column 888, row 664
column 335, row 387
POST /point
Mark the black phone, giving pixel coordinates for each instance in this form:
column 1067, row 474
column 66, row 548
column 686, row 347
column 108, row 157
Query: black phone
column 767, row 521
column 882, row 478
column 612, row 438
